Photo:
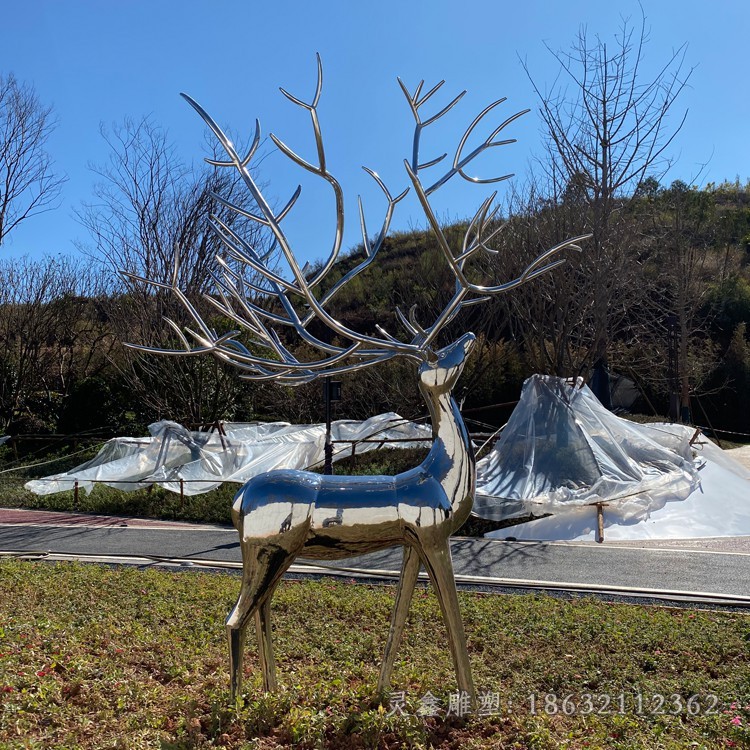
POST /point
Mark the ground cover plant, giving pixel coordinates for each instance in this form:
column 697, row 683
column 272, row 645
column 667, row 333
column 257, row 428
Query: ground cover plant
column 211, row 507
column 103, row 657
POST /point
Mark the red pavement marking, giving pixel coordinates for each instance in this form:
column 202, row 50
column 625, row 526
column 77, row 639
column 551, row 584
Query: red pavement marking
column 14, row 516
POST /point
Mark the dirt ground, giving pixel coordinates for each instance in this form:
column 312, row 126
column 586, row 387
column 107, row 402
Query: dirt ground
column 741, row 455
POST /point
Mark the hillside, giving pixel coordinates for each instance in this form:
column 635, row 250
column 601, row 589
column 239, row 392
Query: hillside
column 678, row 305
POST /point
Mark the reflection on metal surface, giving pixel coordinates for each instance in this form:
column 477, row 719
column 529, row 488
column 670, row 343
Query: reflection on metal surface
column 283, row 514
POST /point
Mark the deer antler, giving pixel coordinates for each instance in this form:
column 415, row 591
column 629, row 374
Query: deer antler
column 474, row 237
column 256, row 307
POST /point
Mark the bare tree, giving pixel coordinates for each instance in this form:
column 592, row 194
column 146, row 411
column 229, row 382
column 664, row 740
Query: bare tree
column 28, row 183
column 607, row 126
column 553, row 323
column 52, row 335
column 149, row 203
column 548, row 321
column 683, row 228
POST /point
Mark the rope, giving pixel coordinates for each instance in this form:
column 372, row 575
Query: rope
column 52, row 460
column 728, row 432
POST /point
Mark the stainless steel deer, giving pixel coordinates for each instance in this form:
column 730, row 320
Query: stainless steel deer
column 283, row 514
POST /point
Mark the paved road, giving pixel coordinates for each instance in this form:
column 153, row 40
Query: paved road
column 676, row 570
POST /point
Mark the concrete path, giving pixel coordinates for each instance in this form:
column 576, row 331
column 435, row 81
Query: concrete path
column 561, row 565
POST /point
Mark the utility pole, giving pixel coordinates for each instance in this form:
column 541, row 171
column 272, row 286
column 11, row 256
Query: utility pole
column 674, row 396
column 331, row 392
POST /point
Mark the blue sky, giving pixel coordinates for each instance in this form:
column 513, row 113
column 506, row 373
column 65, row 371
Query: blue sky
column 100, row 61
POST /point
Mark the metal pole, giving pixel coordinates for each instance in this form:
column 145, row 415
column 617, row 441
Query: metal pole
column 673, row 367
column 328, row 449
column 75, row 496
column 708, row 421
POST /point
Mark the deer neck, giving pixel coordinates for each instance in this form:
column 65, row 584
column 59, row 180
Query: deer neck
column 451, row 458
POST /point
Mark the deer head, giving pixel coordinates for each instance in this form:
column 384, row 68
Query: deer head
column 445, row 369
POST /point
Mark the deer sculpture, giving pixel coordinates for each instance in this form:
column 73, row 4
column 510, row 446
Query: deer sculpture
column 285, row 513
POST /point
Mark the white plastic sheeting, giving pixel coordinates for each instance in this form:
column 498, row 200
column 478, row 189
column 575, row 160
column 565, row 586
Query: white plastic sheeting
column 203, row 460
column 719, row 507
column 562, row 450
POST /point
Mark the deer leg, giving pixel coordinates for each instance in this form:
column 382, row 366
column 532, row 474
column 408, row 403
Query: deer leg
column 437, row 560
column 262, row 570
column 265, row 642
column 409, row 573
column 236, row 629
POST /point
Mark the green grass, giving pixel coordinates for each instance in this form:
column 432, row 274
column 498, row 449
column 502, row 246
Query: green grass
column 98, row 657
column 211, row 507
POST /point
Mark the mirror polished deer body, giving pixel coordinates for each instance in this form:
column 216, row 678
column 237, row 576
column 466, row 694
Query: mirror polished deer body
column 286, row 513
column 283, row 514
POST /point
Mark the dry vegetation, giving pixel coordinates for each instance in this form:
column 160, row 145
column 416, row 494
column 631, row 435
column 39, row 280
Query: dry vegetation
column 95, row 657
